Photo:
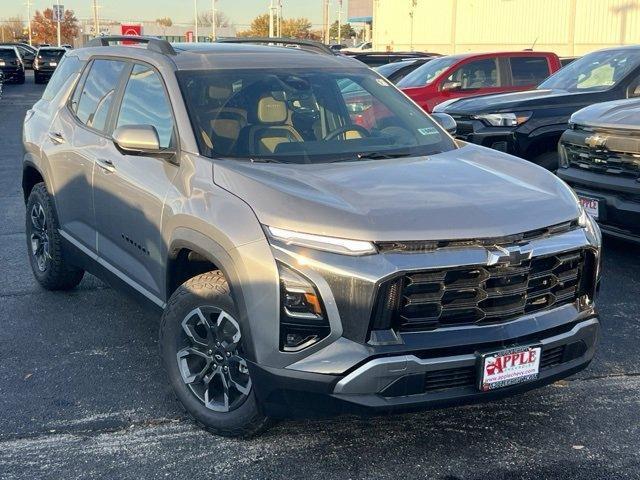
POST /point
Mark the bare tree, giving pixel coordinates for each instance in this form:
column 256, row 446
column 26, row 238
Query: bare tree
column 164, row 23
column 204, row 19
column 11, row 29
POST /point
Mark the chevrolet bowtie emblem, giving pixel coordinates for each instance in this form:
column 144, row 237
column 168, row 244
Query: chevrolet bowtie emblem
column 595, row 141
column 509, row 256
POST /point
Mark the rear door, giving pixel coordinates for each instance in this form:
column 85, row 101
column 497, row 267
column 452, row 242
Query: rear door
column 527, row 71
column 74, row 141
column 129, row 190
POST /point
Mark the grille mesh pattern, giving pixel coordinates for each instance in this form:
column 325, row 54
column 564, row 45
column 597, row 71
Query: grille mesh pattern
column 487, row 294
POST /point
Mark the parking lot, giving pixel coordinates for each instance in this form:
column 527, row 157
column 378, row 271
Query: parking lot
column 83, row 394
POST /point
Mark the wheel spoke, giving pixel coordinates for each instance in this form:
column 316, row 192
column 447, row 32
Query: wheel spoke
column 217, row 398
column 227, row 331
column 38, row 219
column 197, row 328
column 194, row 365
column 239, row 375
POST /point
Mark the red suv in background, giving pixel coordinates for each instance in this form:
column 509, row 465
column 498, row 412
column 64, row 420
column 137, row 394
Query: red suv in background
column 464, row 75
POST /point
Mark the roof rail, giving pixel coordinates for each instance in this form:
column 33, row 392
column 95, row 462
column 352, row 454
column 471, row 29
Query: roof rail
column 153, row 44
column 303, row 44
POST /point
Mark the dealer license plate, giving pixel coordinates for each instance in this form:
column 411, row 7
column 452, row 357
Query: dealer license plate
column 509, row 367
column 591, row 206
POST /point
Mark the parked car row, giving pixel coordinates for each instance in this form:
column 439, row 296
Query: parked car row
column 15, row 58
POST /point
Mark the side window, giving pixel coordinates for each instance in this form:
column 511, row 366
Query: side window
column 477, row 74
column 527, row 71
column 145, row 103
column 634, row 88
column 92, row 100
column 67, row 70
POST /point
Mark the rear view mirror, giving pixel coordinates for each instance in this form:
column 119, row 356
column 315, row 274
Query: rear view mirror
column 137, row 139
column 451, row 86
column 445, row 121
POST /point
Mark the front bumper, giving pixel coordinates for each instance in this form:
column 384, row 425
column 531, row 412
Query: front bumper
column 13, row 74
column 475, row 131
column 403, row 383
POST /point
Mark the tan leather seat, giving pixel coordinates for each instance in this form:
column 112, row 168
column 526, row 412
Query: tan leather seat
column 226, row 123
column 270, row 127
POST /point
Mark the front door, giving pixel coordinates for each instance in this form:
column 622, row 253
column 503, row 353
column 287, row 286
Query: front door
column 129, row 190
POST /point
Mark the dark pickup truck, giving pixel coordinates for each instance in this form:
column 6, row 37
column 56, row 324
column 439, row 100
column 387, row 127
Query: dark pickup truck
column 529, row 124
column 600, row 159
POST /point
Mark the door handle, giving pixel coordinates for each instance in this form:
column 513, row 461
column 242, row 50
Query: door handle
column 56, row 137
column 106, row 165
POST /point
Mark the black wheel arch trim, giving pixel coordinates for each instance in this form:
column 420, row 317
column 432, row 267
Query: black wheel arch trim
column 212, row 251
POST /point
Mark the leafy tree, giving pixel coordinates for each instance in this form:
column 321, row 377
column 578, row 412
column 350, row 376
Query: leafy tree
column 346, row 31
column 296, row 28
column 259, row 27
column 164, row 23
column 45, row 29
column 291, row 27
column 204, row 19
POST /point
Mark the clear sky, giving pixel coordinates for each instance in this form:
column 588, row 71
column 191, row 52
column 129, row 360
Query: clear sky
column 241, row 12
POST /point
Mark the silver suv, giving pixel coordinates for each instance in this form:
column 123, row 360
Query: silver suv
column 316, row 242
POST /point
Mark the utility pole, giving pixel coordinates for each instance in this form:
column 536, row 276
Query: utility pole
column 412, row 13
column 339, row 22
column 59, row 20
column 279, row 17
column 96, row 23
column 271, row 20
column 29, row 19
column 325, row 23
column 195, row 20
column 213, row 20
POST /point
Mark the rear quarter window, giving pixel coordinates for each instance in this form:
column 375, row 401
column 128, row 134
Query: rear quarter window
column 65, row 73
column 527, row 71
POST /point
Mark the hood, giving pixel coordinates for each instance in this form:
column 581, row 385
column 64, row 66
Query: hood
column 517, row 101
column 620, row 114
column 471, row 192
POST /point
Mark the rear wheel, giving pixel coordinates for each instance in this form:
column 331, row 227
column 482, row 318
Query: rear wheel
column 201, row 346
column 44, row 244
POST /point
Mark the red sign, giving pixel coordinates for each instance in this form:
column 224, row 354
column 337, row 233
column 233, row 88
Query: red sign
column 189, row 36
column 130, row 29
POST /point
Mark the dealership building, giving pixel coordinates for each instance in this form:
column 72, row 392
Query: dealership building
column 175, row 33
column 567, row 27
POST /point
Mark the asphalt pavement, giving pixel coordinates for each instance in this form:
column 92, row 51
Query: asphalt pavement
column 82, row 393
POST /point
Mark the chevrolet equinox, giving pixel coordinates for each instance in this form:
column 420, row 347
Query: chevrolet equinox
column 317, row 243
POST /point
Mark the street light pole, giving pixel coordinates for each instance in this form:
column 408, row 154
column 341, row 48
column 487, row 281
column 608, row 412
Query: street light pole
column 213, row 20
column 195, row 19
column 339, row 22
column 59, row 19
column 96, row 23
column 29, row 19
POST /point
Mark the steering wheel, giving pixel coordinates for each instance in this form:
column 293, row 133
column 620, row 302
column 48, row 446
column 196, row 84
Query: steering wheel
column 345, row 129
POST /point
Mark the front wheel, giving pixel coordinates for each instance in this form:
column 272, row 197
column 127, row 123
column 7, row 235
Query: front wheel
column 201, row 346
column 44, row 244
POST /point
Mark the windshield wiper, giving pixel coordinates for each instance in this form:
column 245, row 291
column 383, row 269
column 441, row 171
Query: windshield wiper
column 382, row 155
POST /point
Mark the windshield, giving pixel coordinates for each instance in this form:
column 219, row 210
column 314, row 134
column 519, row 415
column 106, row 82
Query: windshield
column 427, row 73
column 595, row 71
column 8, row 54
column 51, row 54
column 304, row 116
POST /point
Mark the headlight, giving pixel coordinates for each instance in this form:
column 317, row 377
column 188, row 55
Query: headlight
column 320, row 242
column 504, row 119
column 303, row 320
column 563, row 159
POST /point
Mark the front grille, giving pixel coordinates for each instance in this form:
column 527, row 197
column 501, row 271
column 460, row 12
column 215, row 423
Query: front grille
column 481, row 295
column 451, row 378
column 602, row 160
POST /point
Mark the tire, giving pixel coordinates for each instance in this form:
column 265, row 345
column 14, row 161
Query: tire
column 44, row 244
column 37, row 79
column 20, row 80
column 548, row 160
column 207, row 298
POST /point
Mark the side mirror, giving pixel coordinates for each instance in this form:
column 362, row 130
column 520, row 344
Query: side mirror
column 137, row 139
column 445, row 121
column 451, row 86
